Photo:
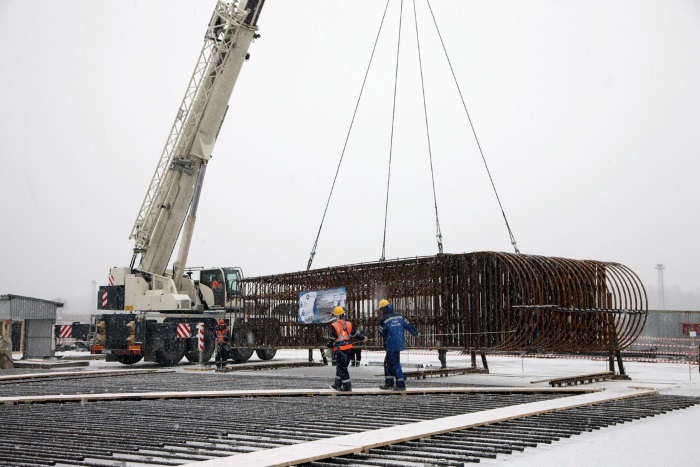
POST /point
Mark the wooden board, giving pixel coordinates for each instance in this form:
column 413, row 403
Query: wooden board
column 359, row 442
column 576, row 379
column 271, row 393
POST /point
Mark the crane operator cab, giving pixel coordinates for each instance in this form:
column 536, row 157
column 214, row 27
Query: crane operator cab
column 219, row 286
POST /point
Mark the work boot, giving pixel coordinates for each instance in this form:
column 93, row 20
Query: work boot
column 399, row 389
column 386, row 388
column 333, row 386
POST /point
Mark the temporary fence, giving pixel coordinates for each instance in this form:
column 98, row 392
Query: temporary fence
column 666, row 349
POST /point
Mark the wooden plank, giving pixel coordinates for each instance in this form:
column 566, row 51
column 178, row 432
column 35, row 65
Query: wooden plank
column 80, row 373
column 360, row 442
column 271, row 393
column 605, row 373
column 442, row 372
column 584, row 379
column 50, row 364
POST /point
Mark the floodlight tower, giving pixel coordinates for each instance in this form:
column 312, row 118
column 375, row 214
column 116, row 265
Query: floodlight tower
column 660, row 268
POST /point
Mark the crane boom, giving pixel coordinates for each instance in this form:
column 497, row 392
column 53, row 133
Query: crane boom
column 175, row 185
column 169, row 314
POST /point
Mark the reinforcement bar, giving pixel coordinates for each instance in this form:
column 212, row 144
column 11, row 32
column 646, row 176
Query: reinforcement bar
column 162, row 395
column 364, row 441
column 485, row 301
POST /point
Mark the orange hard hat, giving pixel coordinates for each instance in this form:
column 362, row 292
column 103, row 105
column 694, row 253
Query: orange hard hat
column 222, row 322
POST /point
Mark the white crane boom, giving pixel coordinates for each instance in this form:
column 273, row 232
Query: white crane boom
column 177, row 181
column 168, row 315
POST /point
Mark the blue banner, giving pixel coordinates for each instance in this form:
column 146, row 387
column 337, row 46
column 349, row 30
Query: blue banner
column 316, row 306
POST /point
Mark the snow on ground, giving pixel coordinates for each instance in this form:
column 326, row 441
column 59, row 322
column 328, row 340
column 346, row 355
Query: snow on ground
column 664, row 440
column 667, row 439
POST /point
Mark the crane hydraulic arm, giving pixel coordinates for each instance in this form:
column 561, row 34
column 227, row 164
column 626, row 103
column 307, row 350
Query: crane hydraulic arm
column 177, row 181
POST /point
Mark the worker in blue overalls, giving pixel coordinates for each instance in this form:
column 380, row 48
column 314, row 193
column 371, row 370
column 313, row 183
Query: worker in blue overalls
column 391, row 329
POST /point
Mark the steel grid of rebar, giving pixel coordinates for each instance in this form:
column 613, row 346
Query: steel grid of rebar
column 134, row 433
column 485, row 301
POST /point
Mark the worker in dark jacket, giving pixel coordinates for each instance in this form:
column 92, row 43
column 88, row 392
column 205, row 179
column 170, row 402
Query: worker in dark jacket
column 340, row 339
column 442, row 356
column 355, row 356
column 391, row 329
column 221, row 335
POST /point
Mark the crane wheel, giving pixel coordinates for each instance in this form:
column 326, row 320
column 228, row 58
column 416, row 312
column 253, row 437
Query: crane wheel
column 241, row 355
column 242, row 337
column 209, row 347
column 128, row 359
column 266, row 354
column 193, row 355
column 170, row 351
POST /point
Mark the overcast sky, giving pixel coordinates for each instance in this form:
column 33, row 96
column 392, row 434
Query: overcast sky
column 587, row 114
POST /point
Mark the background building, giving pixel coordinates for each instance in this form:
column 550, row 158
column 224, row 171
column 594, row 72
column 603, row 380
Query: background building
column 29, row 322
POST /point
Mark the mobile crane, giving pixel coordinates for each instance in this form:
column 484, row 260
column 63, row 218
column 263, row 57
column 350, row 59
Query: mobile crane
column 156, row 312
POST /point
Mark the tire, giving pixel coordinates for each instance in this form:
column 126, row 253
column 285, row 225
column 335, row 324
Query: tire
column 193, row 355
column 266, row 354
column 241, row 355
column 128, row 359
column 170, row 351
column 242, row 336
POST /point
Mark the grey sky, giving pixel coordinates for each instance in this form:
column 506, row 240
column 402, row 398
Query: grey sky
column 587, row 113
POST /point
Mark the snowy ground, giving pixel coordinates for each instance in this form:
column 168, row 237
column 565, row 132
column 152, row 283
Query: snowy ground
column 667, row 439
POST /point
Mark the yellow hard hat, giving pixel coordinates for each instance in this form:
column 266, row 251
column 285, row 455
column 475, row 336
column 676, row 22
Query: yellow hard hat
column 338, row 310
column 383, row 302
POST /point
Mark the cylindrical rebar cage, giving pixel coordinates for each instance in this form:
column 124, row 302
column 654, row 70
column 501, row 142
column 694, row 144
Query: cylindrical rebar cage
column 484, row 301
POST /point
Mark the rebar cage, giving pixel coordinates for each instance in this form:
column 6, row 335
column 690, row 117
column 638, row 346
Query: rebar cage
column 483, row 301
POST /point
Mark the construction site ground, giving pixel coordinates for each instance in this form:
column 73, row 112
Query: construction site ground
column 667, row 438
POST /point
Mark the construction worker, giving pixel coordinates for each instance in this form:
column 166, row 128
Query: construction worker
column 340, row 340
column 217, row 288
column 442, row 356
column 323, row 355
column 391, row 329
column 355, row 356
column 221, row 335
column 6, row 345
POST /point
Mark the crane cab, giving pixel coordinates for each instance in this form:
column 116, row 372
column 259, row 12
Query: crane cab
column 220, row 287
